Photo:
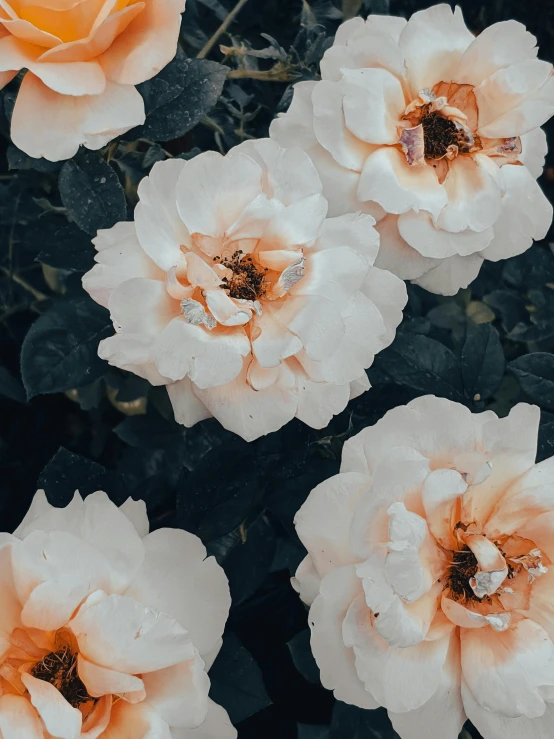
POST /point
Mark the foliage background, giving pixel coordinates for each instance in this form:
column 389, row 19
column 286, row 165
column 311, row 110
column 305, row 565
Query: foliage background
column 68, row 421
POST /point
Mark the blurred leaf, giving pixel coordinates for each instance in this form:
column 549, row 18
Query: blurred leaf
column 449, row 315
column 527, row 332
column 92, row 193
column 60, row 350
column 535, row 374
column 508, row 305
column 237, row 682
column 482, row 362
column 179, row 97
column 301, row 653
column 479, row 312
column 421, row 363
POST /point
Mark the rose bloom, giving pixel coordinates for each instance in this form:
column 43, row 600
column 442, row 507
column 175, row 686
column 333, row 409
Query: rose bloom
column 106, row 630
column 232, row 288
column 430, row 574
column 84, row 58
column 436, row 133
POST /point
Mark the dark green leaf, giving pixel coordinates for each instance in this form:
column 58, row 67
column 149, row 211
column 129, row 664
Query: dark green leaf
column 149, row 431
column 67, row 472
column 527, row 332
column 249, row 562
column 508, row 306
column 301, row 653
column 221, row 490
column 17, row 159
column 545, row 447
column 60, row 350
column 10, row 387
column 420, row 363
column 179, row 97
column 69, row 248
column 312, row 731
column 237, row 682
column 535, row 374
column 92, row 193
column 350, row 722
column 482, row 362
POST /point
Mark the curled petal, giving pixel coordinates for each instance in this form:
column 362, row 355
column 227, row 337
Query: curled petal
column 413, row 145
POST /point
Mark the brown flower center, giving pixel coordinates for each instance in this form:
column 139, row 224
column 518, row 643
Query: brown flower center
column 247, row 281
column 463, row 568
column 60, row 670
column 439, row 134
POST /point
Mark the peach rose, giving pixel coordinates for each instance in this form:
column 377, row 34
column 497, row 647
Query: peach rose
column 232, row 288
column 429, row 572
column 84, row 58
column 434, row 132
column 106, row 630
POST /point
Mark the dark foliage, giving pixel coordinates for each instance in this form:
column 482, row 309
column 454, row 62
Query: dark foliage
column 68, row 421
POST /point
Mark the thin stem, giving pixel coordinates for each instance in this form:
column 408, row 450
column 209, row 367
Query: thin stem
column 37, row 295
column 221, row 30
column 268, row 75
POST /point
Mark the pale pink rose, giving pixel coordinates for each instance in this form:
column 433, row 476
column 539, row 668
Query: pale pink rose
column 84, row 58
column 232, row 288
column 427, row 127
column 106, row 630
column 430, row 573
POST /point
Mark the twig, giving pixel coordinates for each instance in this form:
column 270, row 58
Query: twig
column 37, row 295
column 221, row 30
column 210, row 123
column 267, row 75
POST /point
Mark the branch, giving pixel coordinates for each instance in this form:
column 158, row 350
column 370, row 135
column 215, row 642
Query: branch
column 279, row 73
column 37, row 295
column 221, row 30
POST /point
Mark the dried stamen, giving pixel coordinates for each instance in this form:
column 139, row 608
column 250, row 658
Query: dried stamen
column 60, row 670
column 439, row 133
column 463, row 568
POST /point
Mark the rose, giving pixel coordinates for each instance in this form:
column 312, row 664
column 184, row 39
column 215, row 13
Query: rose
column 429, row 572
column 84, row 58
column 427, row 128
column 232, row 288
column 105, row 629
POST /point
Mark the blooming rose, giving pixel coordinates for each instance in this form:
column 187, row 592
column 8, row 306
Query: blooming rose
column 233, row 289
column 84, row 58
column 106, row 630
column 427, row 128
column 430, row 572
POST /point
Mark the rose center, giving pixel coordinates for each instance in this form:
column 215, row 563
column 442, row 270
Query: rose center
column 439, row 133
column 60, row 670
column 463, row 568
column 248, row 280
